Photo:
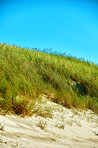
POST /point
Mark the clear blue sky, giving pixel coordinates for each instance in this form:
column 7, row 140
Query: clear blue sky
column 69, row 26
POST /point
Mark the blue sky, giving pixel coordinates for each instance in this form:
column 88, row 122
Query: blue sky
column 69, row 26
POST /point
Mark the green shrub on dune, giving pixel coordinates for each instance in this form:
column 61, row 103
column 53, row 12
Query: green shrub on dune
column 30, row 73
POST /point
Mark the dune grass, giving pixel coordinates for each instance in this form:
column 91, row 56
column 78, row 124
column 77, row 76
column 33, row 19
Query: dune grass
column 26, row 74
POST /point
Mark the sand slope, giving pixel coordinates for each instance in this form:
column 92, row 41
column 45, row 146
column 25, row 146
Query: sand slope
column 66, row 129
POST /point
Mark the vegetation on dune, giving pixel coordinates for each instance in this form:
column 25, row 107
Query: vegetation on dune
column 26, row 74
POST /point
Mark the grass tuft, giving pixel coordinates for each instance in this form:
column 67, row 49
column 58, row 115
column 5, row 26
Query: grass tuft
column 30, row 73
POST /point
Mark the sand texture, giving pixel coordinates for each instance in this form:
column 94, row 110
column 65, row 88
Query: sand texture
column 64, row 128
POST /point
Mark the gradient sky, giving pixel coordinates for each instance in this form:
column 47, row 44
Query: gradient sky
column 69, row 26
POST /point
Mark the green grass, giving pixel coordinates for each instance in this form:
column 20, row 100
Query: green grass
column 28, row 74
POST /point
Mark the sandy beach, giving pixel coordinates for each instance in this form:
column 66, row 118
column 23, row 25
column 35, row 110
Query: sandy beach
column 66, row 128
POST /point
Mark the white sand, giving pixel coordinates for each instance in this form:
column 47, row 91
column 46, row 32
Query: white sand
column 66, row 129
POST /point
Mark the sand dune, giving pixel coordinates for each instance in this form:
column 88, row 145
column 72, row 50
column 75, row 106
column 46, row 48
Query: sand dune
column 66, row 129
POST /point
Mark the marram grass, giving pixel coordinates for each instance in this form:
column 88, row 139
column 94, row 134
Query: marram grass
column 28, row 74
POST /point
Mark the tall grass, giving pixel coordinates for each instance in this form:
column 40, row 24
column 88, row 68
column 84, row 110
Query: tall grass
column 68, row 80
